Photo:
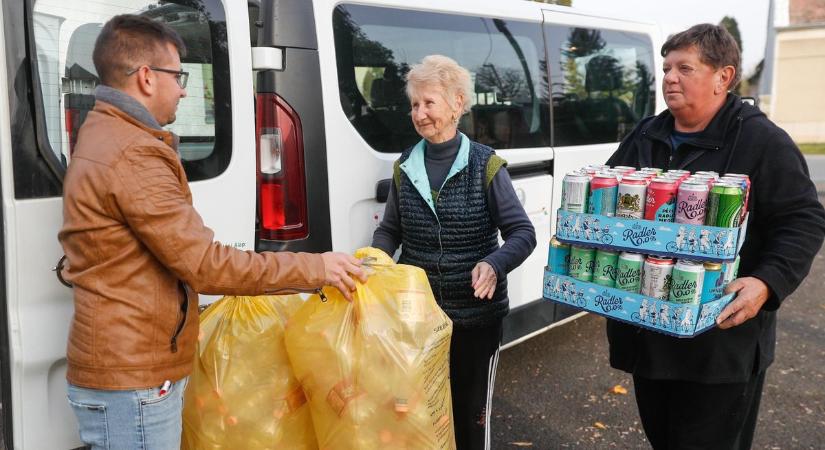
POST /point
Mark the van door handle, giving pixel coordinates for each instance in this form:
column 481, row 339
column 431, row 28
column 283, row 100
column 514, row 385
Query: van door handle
column 58, row 271
column 382, row 190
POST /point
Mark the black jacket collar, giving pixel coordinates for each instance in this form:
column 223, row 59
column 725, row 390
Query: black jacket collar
column 714, row 135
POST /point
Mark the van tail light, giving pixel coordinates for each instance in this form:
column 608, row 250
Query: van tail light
column 77, row 107
column 282, row 200
column 72, row 118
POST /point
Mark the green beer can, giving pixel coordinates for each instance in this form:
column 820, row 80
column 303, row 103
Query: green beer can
column 629, row 272
column 582, row 260
column 686, row 282
column 604, row 272
column 725, row 202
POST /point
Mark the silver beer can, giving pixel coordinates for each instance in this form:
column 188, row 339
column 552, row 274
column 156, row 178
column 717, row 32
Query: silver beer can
column 656, row 277
column 575, row 190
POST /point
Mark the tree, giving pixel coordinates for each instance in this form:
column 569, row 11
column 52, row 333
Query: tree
column 732, row 26
column 556, row 2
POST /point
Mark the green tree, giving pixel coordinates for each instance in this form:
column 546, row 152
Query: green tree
column 556, row 2
column 732, row 26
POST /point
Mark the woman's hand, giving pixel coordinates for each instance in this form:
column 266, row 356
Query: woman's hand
column 484, row 280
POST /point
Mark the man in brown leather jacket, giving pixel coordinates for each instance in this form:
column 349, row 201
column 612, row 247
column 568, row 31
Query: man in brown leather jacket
column 139, row 253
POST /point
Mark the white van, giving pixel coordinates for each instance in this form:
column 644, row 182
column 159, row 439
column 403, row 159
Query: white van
column 295, row 113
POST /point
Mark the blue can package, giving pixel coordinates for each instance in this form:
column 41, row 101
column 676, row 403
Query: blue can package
column 559, row 258
column 713, row 285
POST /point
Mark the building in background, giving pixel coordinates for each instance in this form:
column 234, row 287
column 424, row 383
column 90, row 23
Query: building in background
column 792, row 88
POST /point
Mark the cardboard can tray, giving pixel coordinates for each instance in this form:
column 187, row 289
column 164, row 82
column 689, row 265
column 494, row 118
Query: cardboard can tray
column 674, row 319
column 668, row 239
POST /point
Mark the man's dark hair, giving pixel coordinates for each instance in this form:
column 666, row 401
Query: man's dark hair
column 717, row 48
column 129, row 41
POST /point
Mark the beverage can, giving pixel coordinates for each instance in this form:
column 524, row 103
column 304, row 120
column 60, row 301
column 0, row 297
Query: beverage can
column 604, row 271
column 582, row 262
column 746, row 186
column 558, row 259
column 575, row 189
column 625, row 170
column 730, row 270
column 656, row 277
column 629, row 272
column 725, row 203
column 660, row 204
column 710, row 180
column 686, row 283
column 630, row 201
column 713, row 284
column 712, row 174
column 681, row 173
column 691, row 202
column 655, row 170
column 603, row 189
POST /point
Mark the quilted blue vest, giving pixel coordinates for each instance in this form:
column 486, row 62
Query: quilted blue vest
column 447, row 236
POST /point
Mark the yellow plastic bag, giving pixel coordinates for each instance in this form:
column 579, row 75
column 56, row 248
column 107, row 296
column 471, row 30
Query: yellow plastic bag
column 376, row 371
column 242, row 393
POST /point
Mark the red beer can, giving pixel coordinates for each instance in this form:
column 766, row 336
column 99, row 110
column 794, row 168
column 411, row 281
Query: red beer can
column 660, row 204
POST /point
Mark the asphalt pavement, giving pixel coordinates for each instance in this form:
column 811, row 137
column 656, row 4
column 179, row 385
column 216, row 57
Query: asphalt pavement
column 558, row 391
column 816, row 166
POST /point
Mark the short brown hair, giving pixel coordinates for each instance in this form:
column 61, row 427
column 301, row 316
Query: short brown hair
column 717, row 48
column 128, row 41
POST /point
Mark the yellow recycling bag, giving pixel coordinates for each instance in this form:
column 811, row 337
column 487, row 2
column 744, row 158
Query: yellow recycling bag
column 376, row 371
column 242, row 393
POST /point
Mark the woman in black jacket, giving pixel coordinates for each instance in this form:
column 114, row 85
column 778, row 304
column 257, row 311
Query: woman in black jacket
column 704, row 392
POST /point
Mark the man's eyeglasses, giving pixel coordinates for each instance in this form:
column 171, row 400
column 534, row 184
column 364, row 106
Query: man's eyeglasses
column 180, row 76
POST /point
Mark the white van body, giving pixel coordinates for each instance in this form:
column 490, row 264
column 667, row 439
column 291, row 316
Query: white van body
column 46, row 55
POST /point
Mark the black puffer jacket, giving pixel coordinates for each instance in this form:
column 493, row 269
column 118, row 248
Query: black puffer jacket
column 785, row 231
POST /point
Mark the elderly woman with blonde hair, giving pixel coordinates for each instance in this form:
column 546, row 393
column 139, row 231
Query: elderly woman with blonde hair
column 449, row 200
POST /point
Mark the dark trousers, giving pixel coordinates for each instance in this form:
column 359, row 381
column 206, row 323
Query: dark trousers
column 473, row 360
column 684, row 415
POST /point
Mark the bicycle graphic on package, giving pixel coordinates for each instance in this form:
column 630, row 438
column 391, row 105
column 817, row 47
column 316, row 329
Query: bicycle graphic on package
column 566, row 292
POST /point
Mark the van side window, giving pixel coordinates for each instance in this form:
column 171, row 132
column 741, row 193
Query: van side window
column 603, row 83
column 64, row 34
column 375, row 48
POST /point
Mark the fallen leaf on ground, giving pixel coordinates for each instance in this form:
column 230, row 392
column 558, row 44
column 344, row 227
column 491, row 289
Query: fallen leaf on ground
column 599, row 425
column 619, row 389
column 522, row 444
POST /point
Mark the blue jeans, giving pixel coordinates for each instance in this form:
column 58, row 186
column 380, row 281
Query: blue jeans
column 129, row 420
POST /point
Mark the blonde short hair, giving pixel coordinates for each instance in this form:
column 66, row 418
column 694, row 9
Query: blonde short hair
column 443, row 72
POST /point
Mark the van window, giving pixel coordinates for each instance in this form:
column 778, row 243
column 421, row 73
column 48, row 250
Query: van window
column 603, row 83
column 64, row 36
column 375, row 48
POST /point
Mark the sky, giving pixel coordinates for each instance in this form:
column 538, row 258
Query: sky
column 677, row 15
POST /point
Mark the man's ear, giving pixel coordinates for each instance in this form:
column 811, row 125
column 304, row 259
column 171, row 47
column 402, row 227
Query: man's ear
column 724, row 79
column 145, row 80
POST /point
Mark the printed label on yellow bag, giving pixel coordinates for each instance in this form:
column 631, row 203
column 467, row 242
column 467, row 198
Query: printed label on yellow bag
column 411, row 305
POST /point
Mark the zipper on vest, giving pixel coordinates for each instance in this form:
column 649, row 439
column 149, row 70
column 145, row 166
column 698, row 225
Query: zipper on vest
column 438, row 265
column 185, row 309
column 440, row 247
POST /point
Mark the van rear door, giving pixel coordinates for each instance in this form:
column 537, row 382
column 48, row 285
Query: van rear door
column 47, row 55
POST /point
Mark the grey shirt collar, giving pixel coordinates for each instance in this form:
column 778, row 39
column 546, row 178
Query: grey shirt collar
column 127, row 104
column 134, row 108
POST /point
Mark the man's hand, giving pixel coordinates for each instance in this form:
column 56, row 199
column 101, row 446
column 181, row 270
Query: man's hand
column 752, row 293
column 339, row 269
column 484, row 280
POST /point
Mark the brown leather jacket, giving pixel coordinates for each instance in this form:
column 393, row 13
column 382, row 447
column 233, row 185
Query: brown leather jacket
column 138, row 253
